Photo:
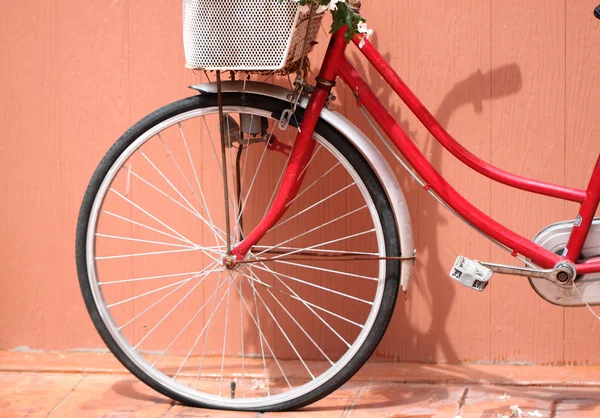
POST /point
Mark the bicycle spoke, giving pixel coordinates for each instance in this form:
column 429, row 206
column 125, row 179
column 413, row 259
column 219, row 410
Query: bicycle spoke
column 166, row 350
column 313, row 183
column 317, row 286
column 210, row 224
column 313, row 205
column 143, row 180
column 149, row 214
column 213, row 145
column 325, row 252
column 319, row 146
column 313, row 230
column 211, row 227
column 262, row 337
column 223, row 170
column 298, row 325
column 305, row 302
column 212, row 313
column 312, row 247
column 262, row 351
column 111, row 257
column 242, row 339
column 282, row 330
column 146, row 226
column 170, row 312
column 343, row 273
column 225, row 332
column 308, row 306
column 112, row 305
column 205, row 206
column 200, row 274
column 243, row 206
column 165, row 178
column 189, row 184
column 139, row 279
column 145, row 241
column 213, row 296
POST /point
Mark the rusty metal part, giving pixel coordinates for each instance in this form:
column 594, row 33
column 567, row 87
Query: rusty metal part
column 314, row 256
column 325, row 83
column 239, row 191
column 224, row 145
column 229, row 262
column 276, row 145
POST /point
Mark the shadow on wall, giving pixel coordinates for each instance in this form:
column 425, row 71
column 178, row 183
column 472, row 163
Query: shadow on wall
column 432, row 281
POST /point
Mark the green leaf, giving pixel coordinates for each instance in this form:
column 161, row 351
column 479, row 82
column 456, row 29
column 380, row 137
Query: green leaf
column 341, row 16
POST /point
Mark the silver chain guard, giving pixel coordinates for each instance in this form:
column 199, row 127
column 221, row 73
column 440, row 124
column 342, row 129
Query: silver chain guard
column 554, row 238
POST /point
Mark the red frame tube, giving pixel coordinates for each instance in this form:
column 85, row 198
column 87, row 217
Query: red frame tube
column 335, row 64
column 585, row 217
column 434, row 180
column 448, row 142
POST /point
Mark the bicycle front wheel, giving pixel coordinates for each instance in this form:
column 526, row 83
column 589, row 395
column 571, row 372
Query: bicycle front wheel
column 278, row 332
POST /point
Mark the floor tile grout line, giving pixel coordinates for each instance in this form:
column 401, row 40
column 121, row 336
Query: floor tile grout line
column 166, row 413
column 66, row 396
column 349, row 408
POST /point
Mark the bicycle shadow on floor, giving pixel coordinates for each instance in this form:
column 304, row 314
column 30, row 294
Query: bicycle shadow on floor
column 423, row 399
column 130, row 387
column 418, row 398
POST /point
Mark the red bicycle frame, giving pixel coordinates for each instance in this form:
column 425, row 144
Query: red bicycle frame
column 336, row 65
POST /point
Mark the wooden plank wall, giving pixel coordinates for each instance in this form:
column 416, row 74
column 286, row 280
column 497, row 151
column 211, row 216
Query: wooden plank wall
column 515, row 81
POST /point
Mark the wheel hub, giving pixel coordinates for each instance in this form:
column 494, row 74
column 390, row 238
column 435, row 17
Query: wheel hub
column 229, row 262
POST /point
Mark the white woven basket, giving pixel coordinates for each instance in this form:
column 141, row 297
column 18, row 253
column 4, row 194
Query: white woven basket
column 245, row 35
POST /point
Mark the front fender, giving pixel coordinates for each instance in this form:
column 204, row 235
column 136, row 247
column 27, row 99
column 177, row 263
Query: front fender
column 360, row 141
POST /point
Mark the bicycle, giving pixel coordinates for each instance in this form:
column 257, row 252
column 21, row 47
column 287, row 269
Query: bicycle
column 290, row 234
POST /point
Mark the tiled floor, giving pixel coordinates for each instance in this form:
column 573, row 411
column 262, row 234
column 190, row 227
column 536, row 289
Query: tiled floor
column 95, row 385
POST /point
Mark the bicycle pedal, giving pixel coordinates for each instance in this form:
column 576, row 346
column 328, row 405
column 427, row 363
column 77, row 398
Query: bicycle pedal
column 470, row 273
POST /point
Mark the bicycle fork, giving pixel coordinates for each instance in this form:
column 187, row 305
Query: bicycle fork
column 302, row 150
column 294, row 173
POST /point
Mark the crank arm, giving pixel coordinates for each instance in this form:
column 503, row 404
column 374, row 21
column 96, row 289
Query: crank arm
column 547, row 274
column 563, row 272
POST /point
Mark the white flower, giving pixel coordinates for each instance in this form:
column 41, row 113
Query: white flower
column 505, row 396
column 366, row 32
column 333, row 4
column 535, row 413
column 362, row 28
column 516, row 411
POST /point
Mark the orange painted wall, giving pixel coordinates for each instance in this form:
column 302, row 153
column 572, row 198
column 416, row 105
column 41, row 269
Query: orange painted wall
column 515, row 81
